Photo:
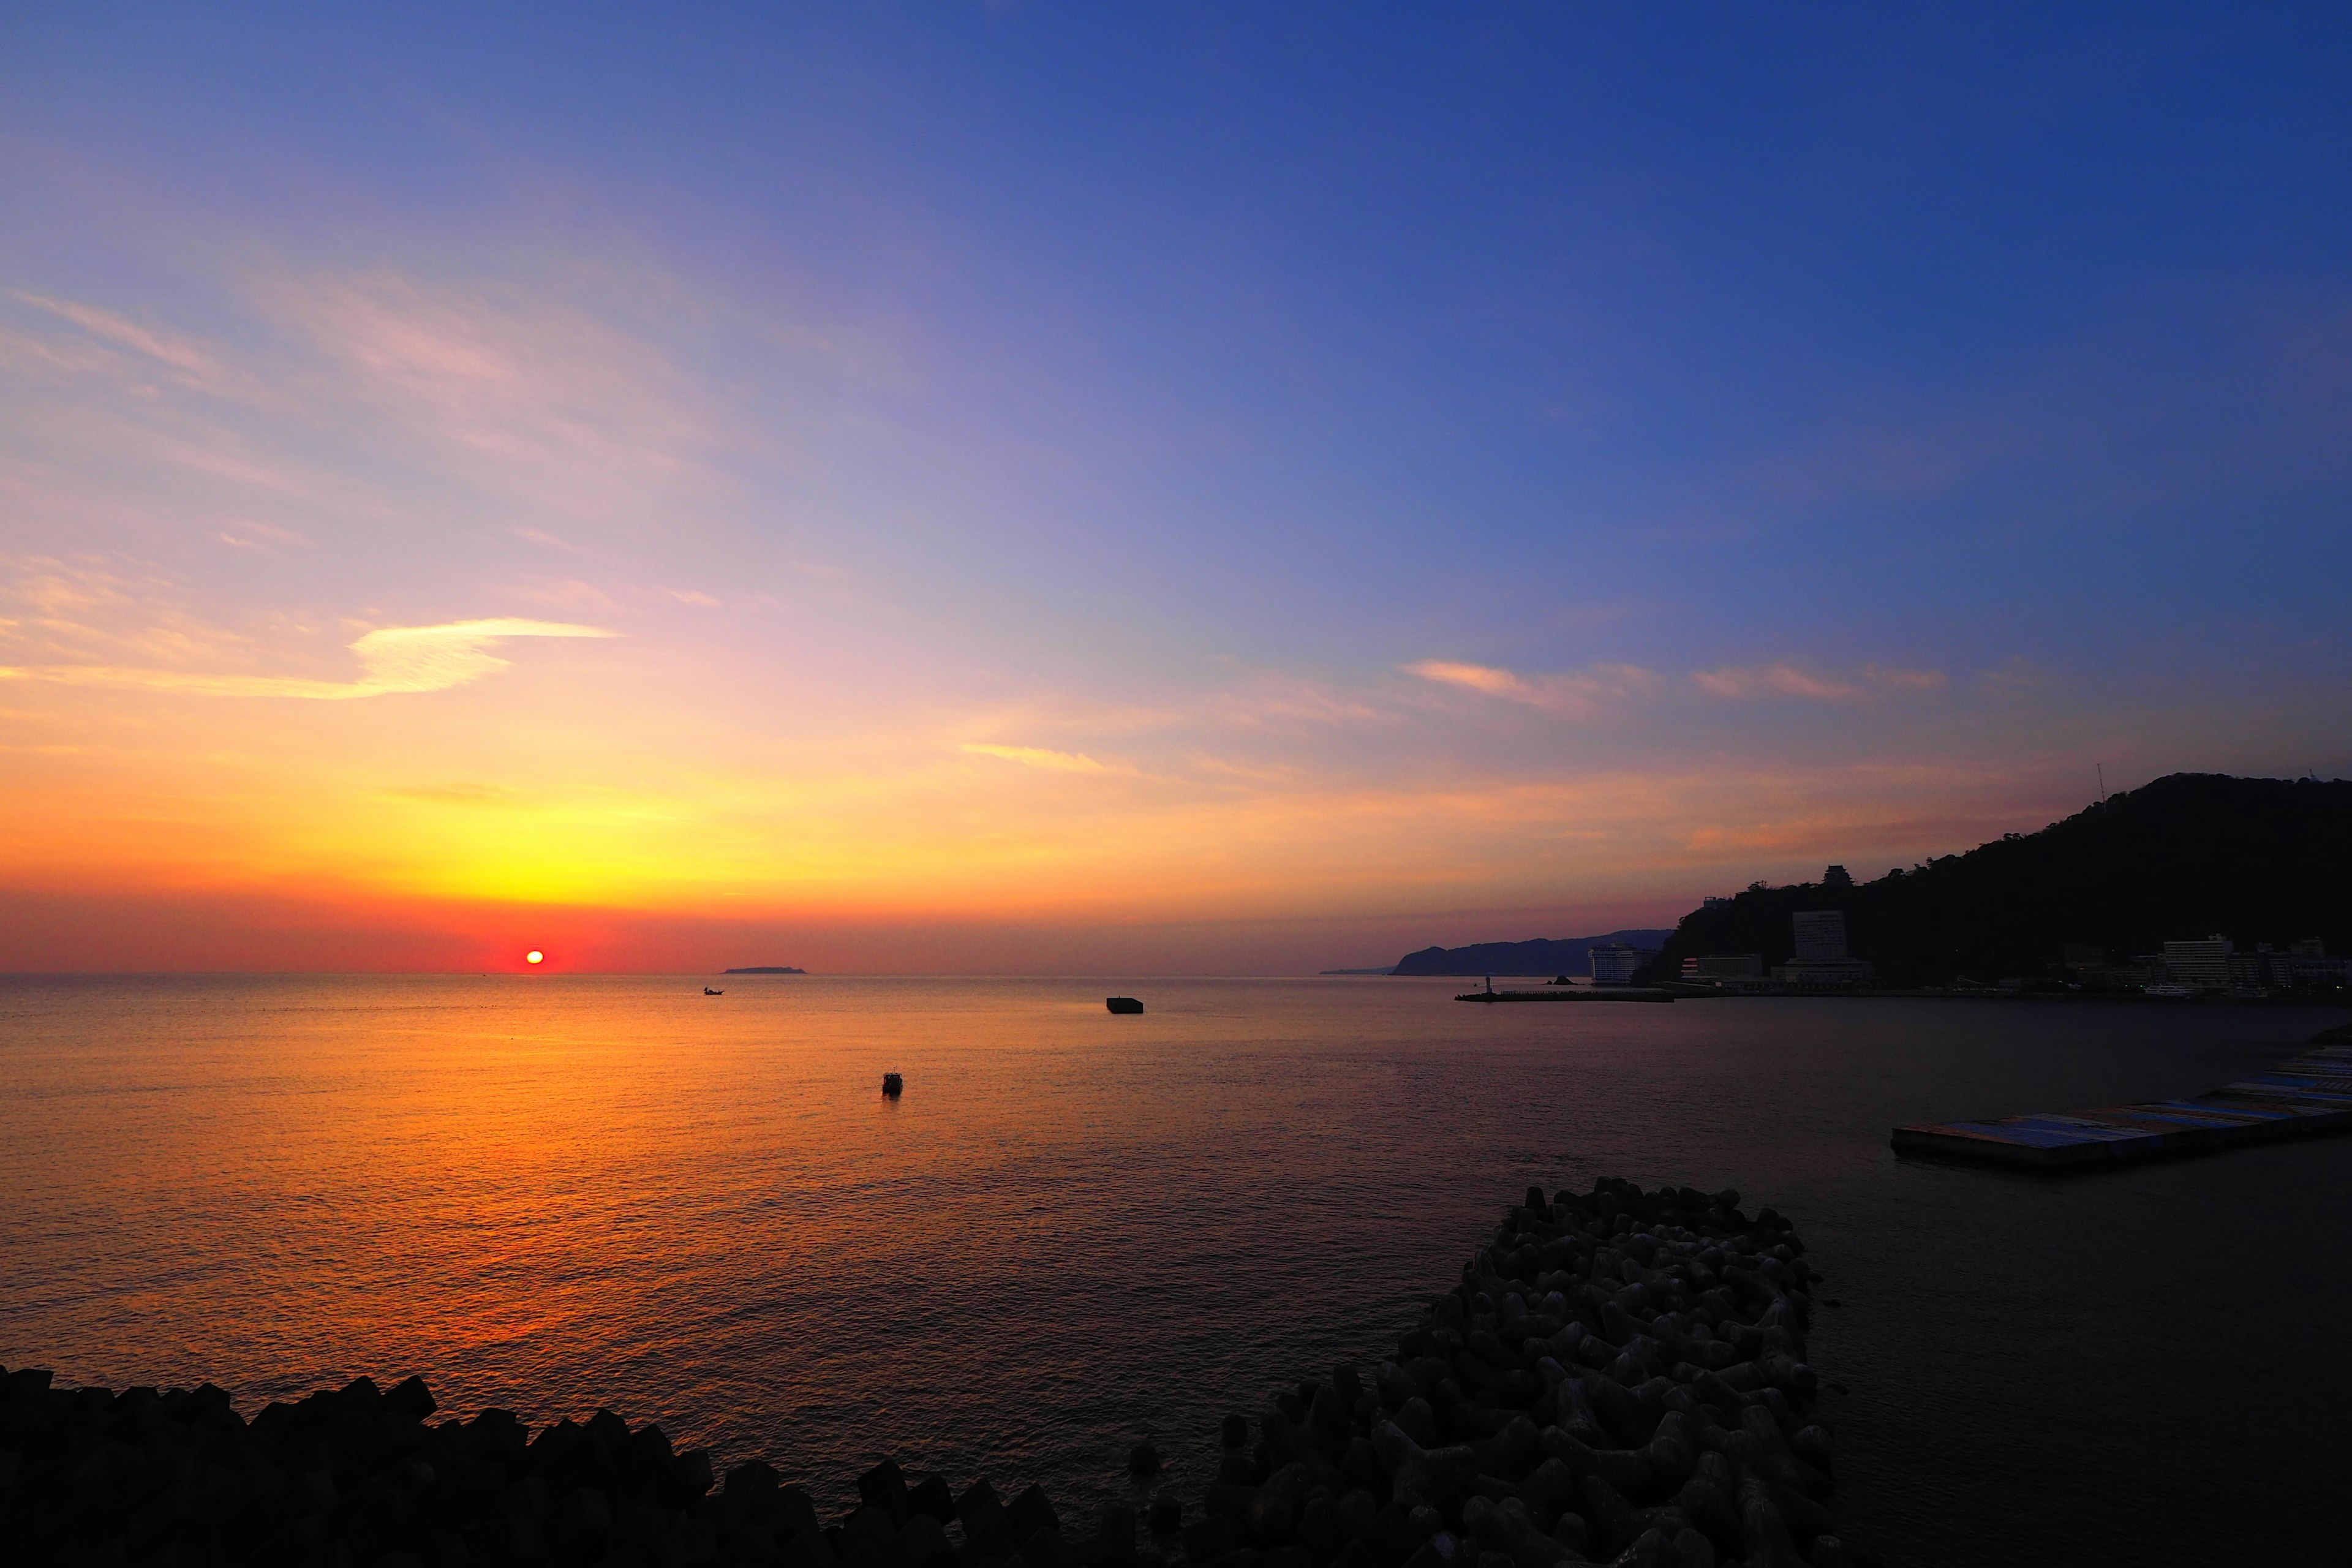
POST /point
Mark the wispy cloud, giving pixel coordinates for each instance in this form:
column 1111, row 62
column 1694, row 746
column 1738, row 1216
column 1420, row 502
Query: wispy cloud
column 164, row 348
column 395, row 660
column 566, row 408
column 1476, row 676
column 1783, row 679
column 1576, row 693
column 1038, row 757
column 249, row 534
column 1894, row 679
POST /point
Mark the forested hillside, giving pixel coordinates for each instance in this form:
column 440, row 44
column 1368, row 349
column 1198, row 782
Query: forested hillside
column 2256, row 859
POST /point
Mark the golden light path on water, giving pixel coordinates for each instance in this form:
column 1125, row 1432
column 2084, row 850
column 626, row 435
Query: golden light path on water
column 554, row 1192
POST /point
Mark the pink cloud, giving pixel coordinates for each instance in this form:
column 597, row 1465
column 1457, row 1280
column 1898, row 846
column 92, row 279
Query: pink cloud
column 395, row 660
column 1038, row 757
column 565, row 408
column 1578, row 693
column 1778, row 680
column 178, row 353
column 1783, row 679
column 1476, row 676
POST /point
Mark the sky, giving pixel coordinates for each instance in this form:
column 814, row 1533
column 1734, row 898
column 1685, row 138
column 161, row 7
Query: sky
column 1141, row 489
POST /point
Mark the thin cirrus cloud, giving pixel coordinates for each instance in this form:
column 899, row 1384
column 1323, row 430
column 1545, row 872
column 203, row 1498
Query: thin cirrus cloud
column 560, row 401
column 395, row 660
column 1476, row 676
column 120, row 330
column 1782, row 679
column 1038, row 757
column 1572, row 693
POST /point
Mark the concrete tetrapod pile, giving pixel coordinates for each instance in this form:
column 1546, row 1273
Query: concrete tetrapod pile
column 360, row 1476
column 1619, row 1376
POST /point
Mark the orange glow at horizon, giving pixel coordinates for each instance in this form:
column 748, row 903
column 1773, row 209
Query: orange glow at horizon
column 567, row 789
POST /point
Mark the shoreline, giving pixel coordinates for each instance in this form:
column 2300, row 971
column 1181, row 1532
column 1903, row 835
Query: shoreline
column 1680, row 992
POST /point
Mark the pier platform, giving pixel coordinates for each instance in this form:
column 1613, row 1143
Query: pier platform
column 2308, row 1097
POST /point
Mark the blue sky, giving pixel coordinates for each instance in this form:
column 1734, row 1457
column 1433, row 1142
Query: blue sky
column 1838, row 426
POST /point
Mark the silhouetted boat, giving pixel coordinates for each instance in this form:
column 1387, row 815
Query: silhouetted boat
column 1122, row 1004
column 893, row 1085
column 706, row 991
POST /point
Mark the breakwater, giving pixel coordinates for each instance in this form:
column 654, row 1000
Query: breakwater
column 2307, row 1097
column 1619, row 1376
column 359, row 1476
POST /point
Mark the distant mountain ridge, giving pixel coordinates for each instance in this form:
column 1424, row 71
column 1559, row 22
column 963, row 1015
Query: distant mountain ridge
column 1544, row 955
column 2254, row 860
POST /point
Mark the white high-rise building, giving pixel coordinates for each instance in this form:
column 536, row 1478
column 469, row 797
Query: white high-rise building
column 1821, row 959
column 1613, row 963
column 1821, row 936
column 2201, row 965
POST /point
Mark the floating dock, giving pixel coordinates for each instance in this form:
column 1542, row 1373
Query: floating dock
column 2309, row 1097
column 1571, row 993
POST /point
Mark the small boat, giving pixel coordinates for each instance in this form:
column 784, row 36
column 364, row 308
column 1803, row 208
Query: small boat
column 893, row 1085
column 1122, row 1004
column 706, row 991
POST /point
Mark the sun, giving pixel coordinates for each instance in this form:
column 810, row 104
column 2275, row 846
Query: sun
column 534, row 956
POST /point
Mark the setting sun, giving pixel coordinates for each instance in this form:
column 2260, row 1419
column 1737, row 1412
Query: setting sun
column 533, row 956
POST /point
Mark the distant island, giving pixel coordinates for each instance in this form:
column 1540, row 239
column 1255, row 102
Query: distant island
column 2262, row 862
column 1383, row 969
column 766, row 969
column 1548, row 956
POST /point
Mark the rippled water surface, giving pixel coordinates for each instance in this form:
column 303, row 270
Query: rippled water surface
column 554, row 1193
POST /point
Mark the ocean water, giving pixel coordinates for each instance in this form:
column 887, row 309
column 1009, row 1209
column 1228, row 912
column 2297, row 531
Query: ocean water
column 1075, row 1230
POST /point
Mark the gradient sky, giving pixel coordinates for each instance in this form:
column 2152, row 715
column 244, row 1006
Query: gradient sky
column 1134, row 487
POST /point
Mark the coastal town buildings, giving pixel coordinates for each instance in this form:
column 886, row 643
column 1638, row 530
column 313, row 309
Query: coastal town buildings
column 2214, row 962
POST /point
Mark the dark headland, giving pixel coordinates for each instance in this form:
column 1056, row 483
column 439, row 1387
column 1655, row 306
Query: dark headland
column 1618, row 1375
column 1545, row 955
column 2257, row 860
column 2081, row 905
column 766, row 969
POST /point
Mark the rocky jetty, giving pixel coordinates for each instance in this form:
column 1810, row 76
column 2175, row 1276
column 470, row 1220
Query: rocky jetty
column 1621, row 1376
column 361, row 1477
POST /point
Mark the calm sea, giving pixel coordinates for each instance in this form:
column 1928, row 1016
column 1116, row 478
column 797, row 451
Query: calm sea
column 1074, row 1230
